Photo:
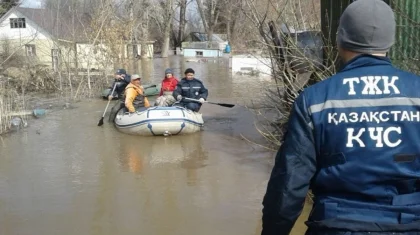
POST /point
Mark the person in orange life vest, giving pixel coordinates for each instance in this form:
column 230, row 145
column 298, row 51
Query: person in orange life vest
column 134, row 98
column 169, row 84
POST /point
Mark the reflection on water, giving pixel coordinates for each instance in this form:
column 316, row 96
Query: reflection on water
column 66, row 175
column 185, row 151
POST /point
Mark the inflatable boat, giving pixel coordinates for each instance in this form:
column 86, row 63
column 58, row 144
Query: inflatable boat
column 159, row 121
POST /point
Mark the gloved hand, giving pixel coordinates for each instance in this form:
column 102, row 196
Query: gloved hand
column 179, row 97
column 202, row 100
column 110, row 97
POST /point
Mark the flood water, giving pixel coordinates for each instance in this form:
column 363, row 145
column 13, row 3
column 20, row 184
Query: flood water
column 65, row 175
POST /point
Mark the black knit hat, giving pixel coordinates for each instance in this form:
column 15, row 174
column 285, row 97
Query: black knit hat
column 189, row 70
column 120, row 71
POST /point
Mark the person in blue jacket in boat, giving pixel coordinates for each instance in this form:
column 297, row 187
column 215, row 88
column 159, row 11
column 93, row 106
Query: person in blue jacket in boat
column 122, row 79
column 353, row 139
column 190, row 87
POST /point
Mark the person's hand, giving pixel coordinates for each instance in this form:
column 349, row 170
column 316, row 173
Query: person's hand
column 179, row 97
column 202, row 100
column 110, row 97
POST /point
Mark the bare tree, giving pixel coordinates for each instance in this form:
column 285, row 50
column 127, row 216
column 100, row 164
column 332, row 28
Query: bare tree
column 168, row 16
column 182, row 21
column 144, row 26
column 230, row 14
column 230, row 21
column 295, row 62
column 210, row 12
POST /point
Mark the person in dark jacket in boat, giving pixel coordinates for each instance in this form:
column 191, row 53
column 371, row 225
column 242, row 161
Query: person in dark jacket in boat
column 353, row 139
column 190, row 87
column 122, row 79
column 134, row 99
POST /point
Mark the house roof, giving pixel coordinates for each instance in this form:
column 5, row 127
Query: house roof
column 203, row 37
column 56, row 25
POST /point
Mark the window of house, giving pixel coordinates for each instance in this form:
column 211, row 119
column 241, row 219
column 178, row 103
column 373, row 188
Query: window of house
column 30, row 50
column 198, row 53
column 16, row 23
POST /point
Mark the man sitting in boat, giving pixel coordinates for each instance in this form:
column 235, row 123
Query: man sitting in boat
column 190, row 87
column 134, row 98
column 122, row 79
column 168, row 86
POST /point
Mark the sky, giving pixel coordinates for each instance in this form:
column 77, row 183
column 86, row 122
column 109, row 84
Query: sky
column 31, row 3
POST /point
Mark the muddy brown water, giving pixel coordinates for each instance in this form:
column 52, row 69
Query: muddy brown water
column 65, row 175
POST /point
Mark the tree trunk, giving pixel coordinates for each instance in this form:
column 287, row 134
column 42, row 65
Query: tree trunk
column 167, row 27
column 210, row 23
column 233, row 16
column 203, row 16
column 228, row 29
column 132, row 32
column 182, row 21
column 144, row 33
column 165, row 43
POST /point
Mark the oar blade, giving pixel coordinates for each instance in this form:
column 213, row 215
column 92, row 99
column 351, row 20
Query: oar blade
column 223, row 104
column 226, row 105
column 101, row 122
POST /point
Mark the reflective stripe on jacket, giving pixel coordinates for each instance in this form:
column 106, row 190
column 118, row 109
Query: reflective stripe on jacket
column 355, row 139
column 193, row 89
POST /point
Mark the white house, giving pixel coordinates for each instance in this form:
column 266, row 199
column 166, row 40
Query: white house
column 197, row 45
column 43, row 37
column 34, row 34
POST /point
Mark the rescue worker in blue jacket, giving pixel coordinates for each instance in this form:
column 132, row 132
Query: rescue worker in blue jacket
column 190, row 87
column 353, row 139
column 122, row 79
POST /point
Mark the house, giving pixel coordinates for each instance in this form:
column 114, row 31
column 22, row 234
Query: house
column 42, row 36
column 37, row 35
column 196, row 44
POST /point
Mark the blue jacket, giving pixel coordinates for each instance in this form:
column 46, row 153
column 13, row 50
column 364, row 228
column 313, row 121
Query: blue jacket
column 354, row 139
column 121, row 85
column 193, row 89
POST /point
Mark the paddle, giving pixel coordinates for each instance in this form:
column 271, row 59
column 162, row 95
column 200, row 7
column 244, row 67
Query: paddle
column 220, row 104
column 101, row 122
